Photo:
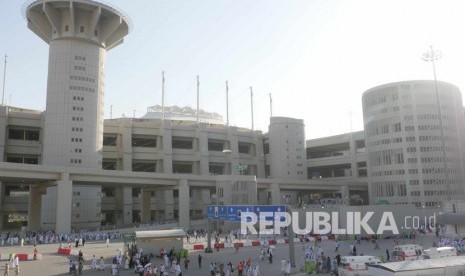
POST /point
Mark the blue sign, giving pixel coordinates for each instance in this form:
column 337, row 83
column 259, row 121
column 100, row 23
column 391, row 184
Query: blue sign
column 234, row 212
column 217, row 212
column 271, row 209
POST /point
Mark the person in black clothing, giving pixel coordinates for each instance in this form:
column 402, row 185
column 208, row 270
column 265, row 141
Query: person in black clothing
column 199, row 258
column 387, row 254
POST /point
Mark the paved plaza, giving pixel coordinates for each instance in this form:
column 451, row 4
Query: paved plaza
column 54, row 264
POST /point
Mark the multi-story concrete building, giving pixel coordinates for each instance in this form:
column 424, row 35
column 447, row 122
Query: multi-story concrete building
column 68, row 168
column 147, row 161
column 407, row 162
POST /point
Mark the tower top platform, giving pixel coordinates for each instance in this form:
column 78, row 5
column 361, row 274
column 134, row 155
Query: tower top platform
column 92, row 21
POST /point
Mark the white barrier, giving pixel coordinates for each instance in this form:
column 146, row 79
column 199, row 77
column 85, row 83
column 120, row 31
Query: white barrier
column 30, row 257
column 8, row 257
column 279, row 241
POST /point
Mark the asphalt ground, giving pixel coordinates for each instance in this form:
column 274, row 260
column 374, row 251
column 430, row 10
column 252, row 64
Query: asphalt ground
column 54, row 264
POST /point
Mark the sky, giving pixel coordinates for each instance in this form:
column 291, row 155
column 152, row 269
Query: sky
column 315, row 57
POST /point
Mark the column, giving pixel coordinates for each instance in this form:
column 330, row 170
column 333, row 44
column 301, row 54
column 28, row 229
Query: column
column 345, row 194
column 145, row 206
column 168, row 201
column 275, row 193
column 64, row 203
column 127, row 205
column 35, row 207
column 184, row 203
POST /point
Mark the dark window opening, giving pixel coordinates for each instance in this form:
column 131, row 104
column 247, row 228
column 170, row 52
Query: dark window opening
column 109, row 140
column 16, row 190
column 244, row 148
column 182, row 168
column 266, row 148
column 25, row 159
column 143, row 166
column 182, row 143
column 18, row 133
column 136, row 192
column 109, row 164
column 145, row 142
column 215, row 145
column 108, row 192
column 216, row 168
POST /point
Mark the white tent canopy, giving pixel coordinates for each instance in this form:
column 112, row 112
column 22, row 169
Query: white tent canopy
column 172, row 233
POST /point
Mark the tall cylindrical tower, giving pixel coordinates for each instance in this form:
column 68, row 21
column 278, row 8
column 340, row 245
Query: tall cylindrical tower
column 406, row 160
column 287, row 155
column 79, row 33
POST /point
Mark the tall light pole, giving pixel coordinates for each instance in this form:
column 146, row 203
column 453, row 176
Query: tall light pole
column 4, row 81
column 432, row 56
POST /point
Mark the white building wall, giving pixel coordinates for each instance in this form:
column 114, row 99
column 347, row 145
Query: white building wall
column 287, row 148
column 73, row 120
column 403, row 141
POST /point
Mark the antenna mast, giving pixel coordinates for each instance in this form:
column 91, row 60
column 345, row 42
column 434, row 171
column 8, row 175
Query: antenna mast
column 4, row 81
column 227, row 104
column 271, row 105
column 251, row 105
column 163, row 95
column 198, row 93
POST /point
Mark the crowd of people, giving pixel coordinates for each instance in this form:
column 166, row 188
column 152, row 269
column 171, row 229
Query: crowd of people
column 47, row 237
column 459, row 244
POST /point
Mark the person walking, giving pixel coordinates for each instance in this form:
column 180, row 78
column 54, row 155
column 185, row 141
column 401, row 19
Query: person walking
column 7, row 270
column 199, row 259
column 94, row 262
column 35, row 252
column 102, row 263
column 288, row 268
column 239, row 269
column 387, row 254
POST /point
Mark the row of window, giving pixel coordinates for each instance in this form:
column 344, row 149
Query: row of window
column 76, row 140
column 387, row 157
column 79, row 68
column 81, row 78
column 391, row 172
column 386, row 141
column 80, row 58
column 75, row 161
column 439, row 170
column 81, row 88
column 81, row 30
column 78, row 108
column 435, row 193
column 390, row 188
column 78, row 98
column 79, row 119
column 20, row 133
column 78, row 129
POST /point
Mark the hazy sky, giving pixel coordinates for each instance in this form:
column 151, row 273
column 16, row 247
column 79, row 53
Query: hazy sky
column 316, row 58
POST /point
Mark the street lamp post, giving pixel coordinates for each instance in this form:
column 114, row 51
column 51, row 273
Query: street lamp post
column 290, row 232
column 432, row 56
